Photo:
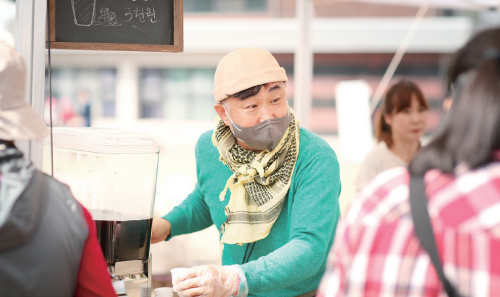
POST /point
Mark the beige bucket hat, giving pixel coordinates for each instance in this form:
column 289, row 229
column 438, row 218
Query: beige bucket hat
column 245, row 68
column 17, row 119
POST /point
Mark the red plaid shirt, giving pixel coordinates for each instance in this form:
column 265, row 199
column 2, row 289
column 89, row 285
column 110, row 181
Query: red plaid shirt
column 376, row 251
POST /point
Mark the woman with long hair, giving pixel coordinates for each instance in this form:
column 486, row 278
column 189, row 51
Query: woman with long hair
column 380, row 249
column 401, row 124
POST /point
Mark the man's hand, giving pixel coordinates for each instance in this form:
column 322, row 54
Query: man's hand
column 209, row 281
column 161, row 230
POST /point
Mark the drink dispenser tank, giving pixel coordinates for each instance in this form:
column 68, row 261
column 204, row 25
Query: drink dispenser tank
column 113, row 174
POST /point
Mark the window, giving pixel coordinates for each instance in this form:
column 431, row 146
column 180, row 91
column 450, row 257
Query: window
column 225, row 6
column 80, row 94
column 177, row 94
column 7, row 21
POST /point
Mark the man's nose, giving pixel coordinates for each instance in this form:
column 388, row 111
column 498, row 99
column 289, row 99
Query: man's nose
column 265, row 114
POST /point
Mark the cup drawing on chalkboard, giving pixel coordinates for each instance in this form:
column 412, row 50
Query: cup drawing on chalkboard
column 83, row 12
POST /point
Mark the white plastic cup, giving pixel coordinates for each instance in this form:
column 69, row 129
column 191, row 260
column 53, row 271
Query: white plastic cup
column 145, row 290
column 164, row 292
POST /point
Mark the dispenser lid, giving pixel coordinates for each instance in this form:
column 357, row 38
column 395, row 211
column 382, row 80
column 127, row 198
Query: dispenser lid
column 103, row 140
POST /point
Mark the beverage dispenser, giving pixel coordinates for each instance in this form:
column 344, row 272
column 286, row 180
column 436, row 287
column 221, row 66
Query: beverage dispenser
column 113, row 174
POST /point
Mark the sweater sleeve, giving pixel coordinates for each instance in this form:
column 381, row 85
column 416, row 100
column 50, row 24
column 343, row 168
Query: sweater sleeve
column 314, row 217
column 190, row 216
column 367, row 172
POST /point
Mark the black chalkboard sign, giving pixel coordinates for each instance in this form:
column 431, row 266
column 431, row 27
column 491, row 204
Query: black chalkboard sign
column 136, row 25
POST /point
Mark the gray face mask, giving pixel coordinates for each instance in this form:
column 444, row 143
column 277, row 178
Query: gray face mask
column 266, row 135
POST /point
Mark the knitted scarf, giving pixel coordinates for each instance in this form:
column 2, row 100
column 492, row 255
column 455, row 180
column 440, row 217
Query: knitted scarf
column 258, row 185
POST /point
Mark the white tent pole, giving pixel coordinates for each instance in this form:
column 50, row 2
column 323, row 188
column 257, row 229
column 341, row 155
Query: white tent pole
column 379, row 92
column 23, row 45
column 447, row 4
column 30, row 43
column 303, row 62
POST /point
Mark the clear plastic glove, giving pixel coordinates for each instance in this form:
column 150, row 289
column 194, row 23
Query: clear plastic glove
column 212, row 281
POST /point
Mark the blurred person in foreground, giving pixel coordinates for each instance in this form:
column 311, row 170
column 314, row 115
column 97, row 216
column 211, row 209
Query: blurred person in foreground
column 278, row 219
column 401, row 124
column 48, row 244
column 378, row 253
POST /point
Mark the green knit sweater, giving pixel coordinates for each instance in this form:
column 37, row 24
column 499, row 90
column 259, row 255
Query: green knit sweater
column 290, row 261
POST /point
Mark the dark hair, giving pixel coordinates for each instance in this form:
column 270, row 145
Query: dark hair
column 398, row 97
column 471, row 133
column 252, row 91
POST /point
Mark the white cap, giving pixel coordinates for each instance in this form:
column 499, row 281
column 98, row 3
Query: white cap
column 17, row 119
column 245, row 68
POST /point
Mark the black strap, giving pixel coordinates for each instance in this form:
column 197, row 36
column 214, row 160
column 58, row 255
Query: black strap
column 245, row 259
column 423, row 228
column 8, row 152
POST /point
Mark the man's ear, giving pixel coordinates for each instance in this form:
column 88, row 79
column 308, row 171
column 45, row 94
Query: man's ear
column 222, row 113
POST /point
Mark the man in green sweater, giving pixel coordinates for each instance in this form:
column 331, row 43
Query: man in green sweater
column 278, row 219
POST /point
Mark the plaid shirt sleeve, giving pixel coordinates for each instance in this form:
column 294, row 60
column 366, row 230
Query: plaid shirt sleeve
column 345, row 255
column 376, row 252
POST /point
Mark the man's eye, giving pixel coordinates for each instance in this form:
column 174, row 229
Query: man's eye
column 275, row 100
column 251, row 107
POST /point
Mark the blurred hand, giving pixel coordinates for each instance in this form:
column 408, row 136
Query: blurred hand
column 161, row 230
column 209, row 281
